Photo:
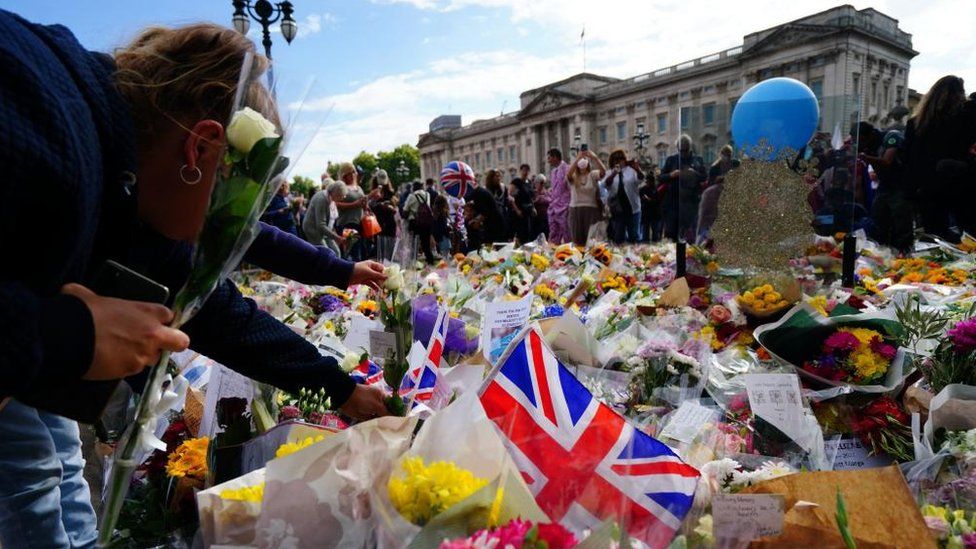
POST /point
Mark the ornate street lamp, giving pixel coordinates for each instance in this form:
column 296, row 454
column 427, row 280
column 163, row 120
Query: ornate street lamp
column 577, row 139
column 266, row 13
column 639, row 138
column 402, row 171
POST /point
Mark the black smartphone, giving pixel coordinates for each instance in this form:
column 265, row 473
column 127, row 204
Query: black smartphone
column 115, row 280
column 584, row 147
column 84, row 400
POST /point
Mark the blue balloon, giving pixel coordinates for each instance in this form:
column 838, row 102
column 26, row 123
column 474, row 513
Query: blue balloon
column 779, row 113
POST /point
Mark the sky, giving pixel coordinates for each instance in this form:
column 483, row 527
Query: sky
column 372, row 74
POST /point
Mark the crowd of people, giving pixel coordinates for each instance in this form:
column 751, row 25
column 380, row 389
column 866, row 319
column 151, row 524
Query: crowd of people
column 892, row 182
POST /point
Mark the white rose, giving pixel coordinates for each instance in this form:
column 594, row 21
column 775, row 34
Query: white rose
column 394, row 277
column 247, row 127
column 350, row 361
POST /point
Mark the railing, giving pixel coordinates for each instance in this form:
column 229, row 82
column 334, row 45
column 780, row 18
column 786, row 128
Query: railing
column 666, row 71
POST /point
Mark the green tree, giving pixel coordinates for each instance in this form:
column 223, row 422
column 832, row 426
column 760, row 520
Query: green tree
column 366, row 161
column 390, row 161
column 303, row 185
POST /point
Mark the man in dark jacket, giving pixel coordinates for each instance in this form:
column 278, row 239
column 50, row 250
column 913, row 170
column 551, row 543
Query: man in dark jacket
column 682, row 179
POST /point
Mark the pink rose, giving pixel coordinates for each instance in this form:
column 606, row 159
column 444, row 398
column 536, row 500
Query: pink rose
column 718, row 315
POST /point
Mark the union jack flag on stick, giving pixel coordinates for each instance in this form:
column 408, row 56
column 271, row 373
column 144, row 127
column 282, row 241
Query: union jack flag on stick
column 583, row 462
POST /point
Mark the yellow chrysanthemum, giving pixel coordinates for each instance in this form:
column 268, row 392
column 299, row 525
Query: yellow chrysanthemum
column 545, row 292
column 426, row 490
column 189, row 459
column 747, row 297
column 540, row 262
column 772, row 297
column 335, row 292
column 289, row 448
column 248, row 493
column 819, row 304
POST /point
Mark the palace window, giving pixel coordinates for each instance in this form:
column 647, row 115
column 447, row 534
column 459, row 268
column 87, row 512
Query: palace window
column 816, row 86
column 708, row 114
column 511, row 154
column 621, row 131
column 488, row 158
column 685, row 118
column 857, row 84
column 662, row 123
column 603, row 135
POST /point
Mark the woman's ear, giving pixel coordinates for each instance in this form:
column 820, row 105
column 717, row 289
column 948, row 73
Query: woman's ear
column 204, row 146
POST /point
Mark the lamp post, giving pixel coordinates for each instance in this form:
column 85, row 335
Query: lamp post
column 639, row 138
column 266, row 13
column 402, row 171
column 577, row 139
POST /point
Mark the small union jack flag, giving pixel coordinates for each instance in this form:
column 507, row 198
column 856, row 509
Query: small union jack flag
column 583, row 462
column 418, row 384
column 367, row 373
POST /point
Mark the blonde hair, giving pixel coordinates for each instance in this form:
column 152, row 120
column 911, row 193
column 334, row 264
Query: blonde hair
column 182, row 75
column 346, row 168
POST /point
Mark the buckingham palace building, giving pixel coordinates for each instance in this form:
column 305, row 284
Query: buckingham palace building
column 855, row 61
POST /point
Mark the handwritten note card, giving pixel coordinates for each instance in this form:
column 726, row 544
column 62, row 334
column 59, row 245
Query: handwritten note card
column 687, row 421
column 776, row 398
column 747, row 516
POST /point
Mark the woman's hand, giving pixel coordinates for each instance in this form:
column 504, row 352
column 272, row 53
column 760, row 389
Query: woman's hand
column 369, row 273
column 129, row 335
column 366, row 402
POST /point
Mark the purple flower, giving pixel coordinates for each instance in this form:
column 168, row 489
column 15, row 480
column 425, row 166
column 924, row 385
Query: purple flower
column 330, row 303
column 963, row 336
column 553, row 311
column 969, row 540
column 289, row 413
column 845, row 342
column 655, row 349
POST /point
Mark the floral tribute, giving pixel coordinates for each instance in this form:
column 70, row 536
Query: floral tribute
column 424, row 491
column 853, row 355
column 517, row 534
column 189, row 459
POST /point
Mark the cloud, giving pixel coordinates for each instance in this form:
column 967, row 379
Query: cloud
column 624, row 38
column 312, row 24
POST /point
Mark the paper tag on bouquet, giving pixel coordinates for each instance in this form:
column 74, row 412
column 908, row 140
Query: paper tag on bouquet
column 687, row 421
column 745, row 517
column 776, row 398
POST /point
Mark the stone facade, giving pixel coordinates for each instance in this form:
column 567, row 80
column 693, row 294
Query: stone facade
column 855, row 61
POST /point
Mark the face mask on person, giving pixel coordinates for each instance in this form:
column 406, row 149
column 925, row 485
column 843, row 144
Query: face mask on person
column 582, row 163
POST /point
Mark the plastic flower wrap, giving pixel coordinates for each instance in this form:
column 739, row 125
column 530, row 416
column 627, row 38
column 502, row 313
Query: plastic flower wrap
column 458, row 340
column 849, row 352
column 423, row 491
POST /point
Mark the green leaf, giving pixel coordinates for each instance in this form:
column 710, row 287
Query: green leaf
column 262, row 161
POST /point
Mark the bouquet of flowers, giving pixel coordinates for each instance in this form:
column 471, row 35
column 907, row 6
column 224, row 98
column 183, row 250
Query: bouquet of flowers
column 423, row 491
column 517, row 534
column 850, row 350
column 853, row 355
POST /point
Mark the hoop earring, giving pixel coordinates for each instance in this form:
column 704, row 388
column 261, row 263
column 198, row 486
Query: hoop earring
column 197, row 175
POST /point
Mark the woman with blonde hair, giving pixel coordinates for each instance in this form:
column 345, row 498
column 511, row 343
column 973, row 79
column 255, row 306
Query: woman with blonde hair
column 585, row 206
column 128, row 150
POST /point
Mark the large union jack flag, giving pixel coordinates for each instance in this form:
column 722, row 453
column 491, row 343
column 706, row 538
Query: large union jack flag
column 583, row 462
column 418, row 384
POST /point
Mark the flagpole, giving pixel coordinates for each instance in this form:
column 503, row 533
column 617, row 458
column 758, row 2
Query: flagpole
column 583, row 39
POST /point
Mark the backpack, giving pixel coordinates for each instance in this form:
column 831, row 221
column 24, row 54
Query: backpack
column 424, row 218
